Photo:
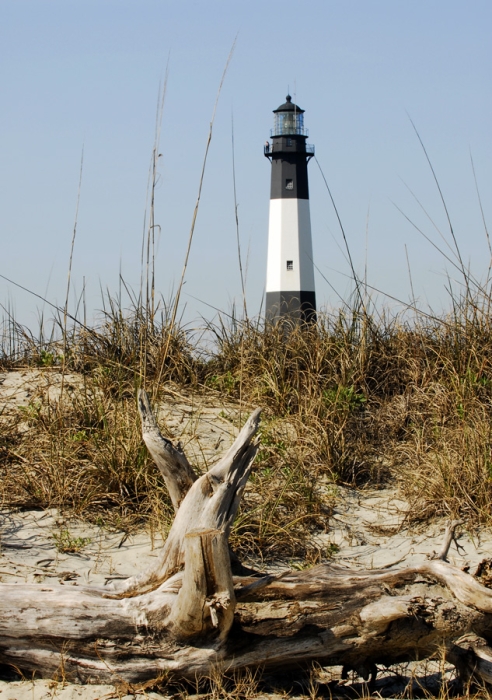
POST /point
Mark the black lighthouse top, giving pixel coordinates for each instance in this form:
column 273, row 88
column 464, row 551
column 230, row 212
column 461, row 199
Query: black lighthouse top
column 289, row 120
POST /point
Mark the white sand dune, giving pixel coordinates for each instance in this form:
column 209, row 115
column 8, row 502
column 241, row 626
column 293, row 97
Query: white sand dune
column 368, row 528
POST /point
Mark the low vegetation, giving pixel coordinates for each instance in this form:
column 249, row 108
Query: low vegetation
column 357, row 398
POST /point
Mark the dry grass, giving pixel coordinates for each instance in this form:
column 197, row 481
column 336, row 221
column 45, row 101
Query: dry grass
column 371, row 398
column 354, row 399
column 432, row 678
column 81, row 452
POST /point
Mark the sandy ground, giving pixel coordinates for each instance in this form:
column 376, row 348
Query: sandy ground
column 30, row 551
column 34, row 545
column 202, row 426
column 368, row 527
column 45, row 690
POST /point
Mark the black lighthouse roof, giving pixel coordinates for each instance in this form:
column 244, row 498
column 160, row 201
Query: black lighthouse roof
column 288, row 106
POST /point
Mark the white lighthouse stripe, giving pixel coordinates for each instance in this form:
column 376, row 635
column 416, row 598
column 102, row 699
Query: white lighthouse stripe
column 289, row 239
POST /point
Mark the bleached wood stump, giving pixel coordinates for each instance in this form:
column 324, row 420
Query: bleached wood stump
column 189, row 614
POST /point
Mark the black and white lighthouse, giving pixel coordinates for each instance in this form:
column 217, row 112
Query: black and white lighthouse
column 290, row 270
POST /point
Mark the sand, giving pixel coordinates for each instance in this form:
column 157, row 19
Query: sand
column 368, row 528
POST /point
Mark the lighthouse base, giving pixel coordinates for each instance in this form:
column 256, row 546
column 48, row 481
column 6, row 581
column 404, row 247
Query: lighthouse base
column 293, row 306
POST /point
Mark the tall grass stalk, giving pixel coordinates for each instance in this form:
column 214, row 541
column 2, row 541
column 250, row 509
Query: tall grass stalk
column 236, row 216
column 195, row 211
column 72, row 246
column 355, row 399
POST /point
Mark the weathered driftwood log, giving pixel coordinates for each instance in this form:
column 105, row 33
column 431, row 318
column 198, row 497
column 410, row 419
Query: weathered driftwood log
column 188, row 614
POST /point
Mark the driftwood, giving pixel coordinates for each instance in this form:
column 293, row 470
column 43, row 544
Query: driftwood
column 189, row 614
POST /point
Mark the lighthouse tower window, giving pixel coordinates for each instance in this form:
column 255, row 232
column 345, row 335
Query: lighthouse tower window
column 290, row 264
column 289, row 184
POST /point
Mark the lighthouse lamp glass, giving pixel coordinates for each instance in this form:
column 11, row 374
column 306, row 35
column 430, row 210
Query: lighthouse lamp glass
column 289, row 123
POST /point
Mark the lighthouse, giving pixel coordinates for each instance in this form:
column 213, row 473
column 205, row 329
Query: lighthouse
column 290, row 293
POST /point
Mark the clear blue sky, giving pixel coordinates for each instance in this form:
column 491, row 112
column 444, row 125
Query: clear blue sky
column 86, row 73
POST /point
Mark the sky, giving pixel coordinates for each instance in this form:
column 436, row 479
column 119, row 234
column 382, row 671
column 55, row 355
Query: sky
column 83, row 76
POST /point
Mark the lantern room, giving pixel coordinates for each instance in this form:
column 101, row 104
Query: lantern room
column 289, row 120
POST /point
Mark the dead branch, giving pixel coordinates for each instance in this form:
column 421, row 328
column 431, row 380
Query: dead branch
column 188, row 614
